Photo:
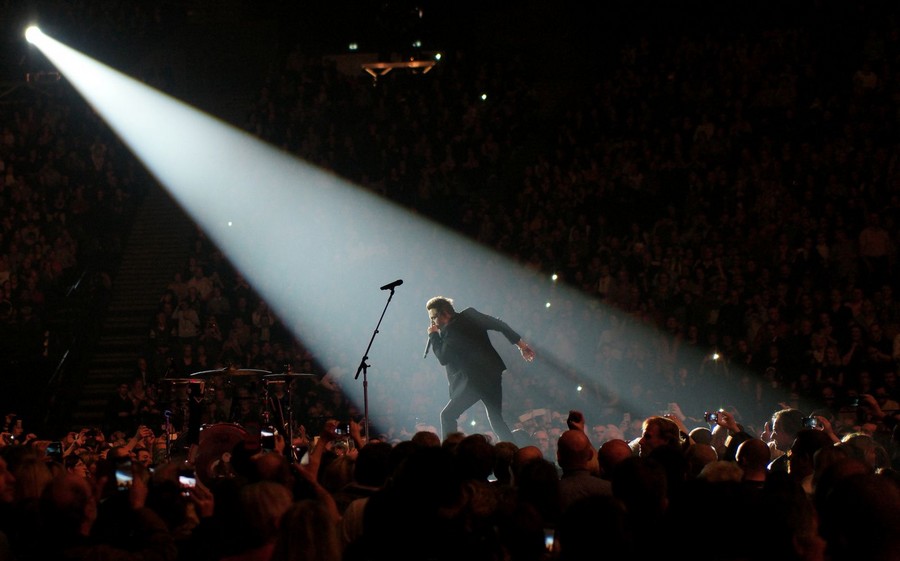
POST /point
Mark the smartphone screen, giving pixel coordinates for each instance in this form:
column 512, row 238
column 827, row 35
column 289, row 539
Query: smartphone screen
column 549, row 539
column 124, row 476
column 54, row 451
column 187, row 479
column 267, row 439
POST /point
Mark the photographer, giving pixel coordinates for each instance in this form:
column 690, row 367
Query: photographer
column 142, row 438
column 727, row 434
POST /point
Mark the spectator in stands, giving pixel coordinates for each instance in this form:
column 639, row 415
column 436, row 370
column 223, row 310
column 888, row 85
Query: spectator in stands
column 610, row 454
column 120, row 414
column 575, row 455
column 753, row 458
column 786, row 423
column 658, row 432
column 187, row 323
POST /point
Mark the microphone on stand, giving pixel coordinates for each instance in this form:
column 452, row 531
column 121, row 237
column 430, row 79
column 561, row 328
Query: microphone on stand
column 392, row 285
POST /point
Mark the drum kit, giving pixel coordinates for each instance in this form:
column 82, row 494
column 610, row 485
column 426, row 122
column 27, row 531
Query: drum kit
column 190, row 398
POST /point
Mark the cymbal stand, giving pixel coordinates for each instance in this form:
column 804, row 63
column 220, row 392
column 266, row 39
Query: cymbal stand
column 363, row 367
column 292, row 457
column 168, row 416
column 285, row 422
column 266, row 414
column 288, row 424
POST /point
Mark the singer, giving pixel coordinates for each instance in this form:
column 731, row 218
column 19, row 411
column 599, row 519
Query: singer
column 474, row 369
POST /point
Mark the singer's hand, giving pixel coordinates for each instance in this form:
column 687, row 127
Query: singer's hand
column 433, row 328
column 527, row 351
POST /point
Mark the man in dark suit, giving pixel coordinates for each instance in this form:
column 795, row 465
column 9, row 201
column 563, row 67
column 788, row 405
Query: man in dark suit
column 474, row 369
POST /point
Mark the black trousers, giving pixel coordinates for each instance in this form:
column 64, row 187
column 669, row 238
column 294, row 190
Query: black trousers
column 490, row 392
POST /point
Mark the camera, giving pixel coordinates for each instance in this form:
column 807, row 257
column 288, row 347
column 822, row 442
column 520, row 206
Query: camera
column 810, row 423
column 711, row 416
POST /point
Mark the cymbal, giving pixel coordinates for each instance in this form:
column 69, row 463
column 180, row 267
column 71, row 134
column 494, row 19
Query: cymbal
column 208, row 373
column 181, row 381
column 246, row 372
column 230, row 371
column 287, row 376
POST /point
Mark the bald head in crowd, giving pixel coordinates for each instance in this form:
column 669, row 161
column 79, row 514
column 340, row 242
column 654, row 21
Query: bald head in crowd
column 753, row 457
column 698, row 456
column 611, row 453
column 574, row 451
column 701, row 435
column 526, row 454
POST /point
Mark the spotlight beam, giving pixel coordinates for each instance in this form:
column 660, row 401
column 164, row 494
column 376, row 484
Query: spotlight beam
column 247, row 196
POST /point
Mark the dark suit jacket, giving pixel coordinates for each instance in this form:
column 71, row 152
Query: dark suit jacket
column 464, row 348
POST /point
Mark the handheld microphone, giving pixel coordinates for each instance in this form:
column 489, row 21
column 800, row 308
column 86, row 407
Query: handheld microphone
column 392, row 285
column 427, row 348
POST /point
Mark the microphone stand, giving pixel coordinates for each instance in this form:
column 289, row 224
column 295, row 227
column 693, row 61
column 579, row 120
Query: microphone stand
column 363, row 367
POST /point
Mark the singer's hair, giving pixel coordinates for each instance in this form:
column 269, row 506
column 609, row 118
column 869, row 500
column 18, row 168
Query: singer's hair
column 441, row 304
